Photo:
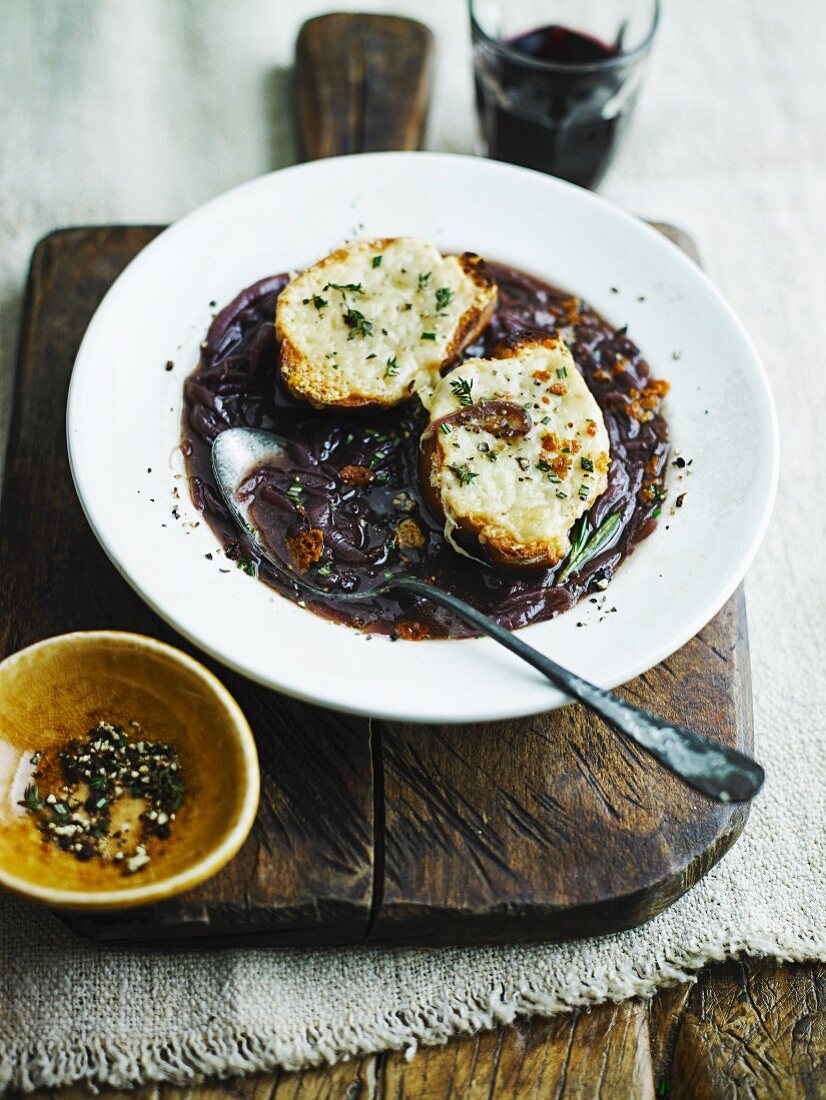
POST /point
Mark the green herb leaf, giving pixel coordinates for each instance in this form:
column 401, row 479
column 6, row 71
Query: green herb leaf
column 377, row 261
column 586, row 464
column 461, row 388
column 247, row 565
column 31, row 798
column 358, row 324
column 428, row 335
column 464, row 474
column 585, row 548
column 355, row 288
column 392, row 367
column 423, row 279
column 443, row 297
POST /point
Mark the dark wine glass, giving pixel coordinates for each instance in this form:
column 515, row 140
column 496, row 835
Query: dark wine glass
column 557, row 80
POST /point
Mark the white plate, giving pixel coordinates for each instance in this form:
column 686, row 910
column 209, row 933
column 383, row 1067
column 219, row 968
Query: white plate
column 124, row 418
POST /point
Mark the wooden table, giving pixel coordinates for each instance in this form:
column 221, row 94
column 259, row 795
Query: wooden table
column 755, row 1029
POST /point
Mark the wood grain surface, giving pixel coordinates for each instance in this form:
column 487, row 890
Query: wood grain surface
column 363, row 83
column 541, row 828
column 306, row 871
column 747, row 1030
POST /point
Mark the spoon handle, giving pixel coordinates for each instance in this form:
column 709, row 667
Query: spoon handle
column 707, row 766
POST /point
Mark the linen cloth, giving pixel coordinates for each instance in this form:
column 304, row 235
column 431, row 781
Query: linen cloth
column 117, row 111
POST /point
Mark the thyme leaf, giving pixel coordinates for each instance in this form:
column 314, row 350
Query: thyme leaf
column 584, row 547
column 357, row 324
column 461, row 388
column 31, row 798
column 464, row 474
column 443, row 297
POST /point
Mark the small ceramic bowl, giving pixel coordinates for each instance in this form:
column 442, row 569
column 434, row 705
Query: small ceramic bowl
column 61, row 688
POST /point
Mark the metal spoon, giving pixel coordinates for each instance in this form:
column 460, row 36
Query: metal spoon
column 720, row 772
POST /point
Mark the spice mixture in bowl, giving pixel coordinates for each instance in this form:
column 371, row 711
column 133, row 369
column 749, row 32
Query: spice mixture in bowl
column 127, row 771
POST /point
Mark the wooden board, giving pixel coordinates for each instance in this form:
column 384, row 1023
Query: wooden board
column 363, row 83
column 538, row 828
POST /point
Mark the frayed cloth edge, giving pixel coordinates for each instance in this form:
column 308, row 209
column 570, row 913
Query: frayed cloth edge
column 188, row 1059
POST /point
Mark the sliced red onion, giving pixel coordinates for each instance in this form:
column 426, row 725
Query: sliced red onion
column 504, row 419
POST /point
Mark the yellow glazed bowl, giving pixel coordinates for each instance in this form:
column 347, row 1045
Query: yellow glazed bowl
column 61, row 688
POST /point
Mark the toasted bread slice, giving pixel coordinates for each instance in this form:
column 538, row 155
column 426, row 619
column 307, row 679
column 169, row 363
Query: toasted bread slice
column 515, row 452
column 377, row 320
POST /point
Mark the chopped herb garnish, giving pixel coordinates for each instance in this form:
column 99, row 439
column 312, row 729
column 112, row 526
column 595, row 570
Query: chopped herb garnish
column 372, row 355
column 584, row 490
column 561, row 495
column 31, row 798
column 443, row 297
column 657, row 512
column 110, row 766
column 247, row 565
column 294, row 492
column 358, row 324
column 544, row 466
column 423, row 280
column 355, row 288
column 326, row 570
column 392, row 367
column 464, row 474
column 585, row 548
column 377, row 261
column 445, row 429
column 562, row 372
column 319, row 302
column 428, row 335
column 586, row 463
column 491, row 456
column 461, row 388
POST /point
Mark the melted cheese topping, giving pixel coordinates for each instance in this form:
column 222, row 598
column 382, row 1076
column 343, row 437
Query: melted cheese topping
column 521, row 494
column 375, row 321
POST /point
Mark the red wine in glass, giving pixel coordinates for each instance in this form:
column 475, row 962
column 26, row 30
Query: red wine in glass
column 555, row 99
